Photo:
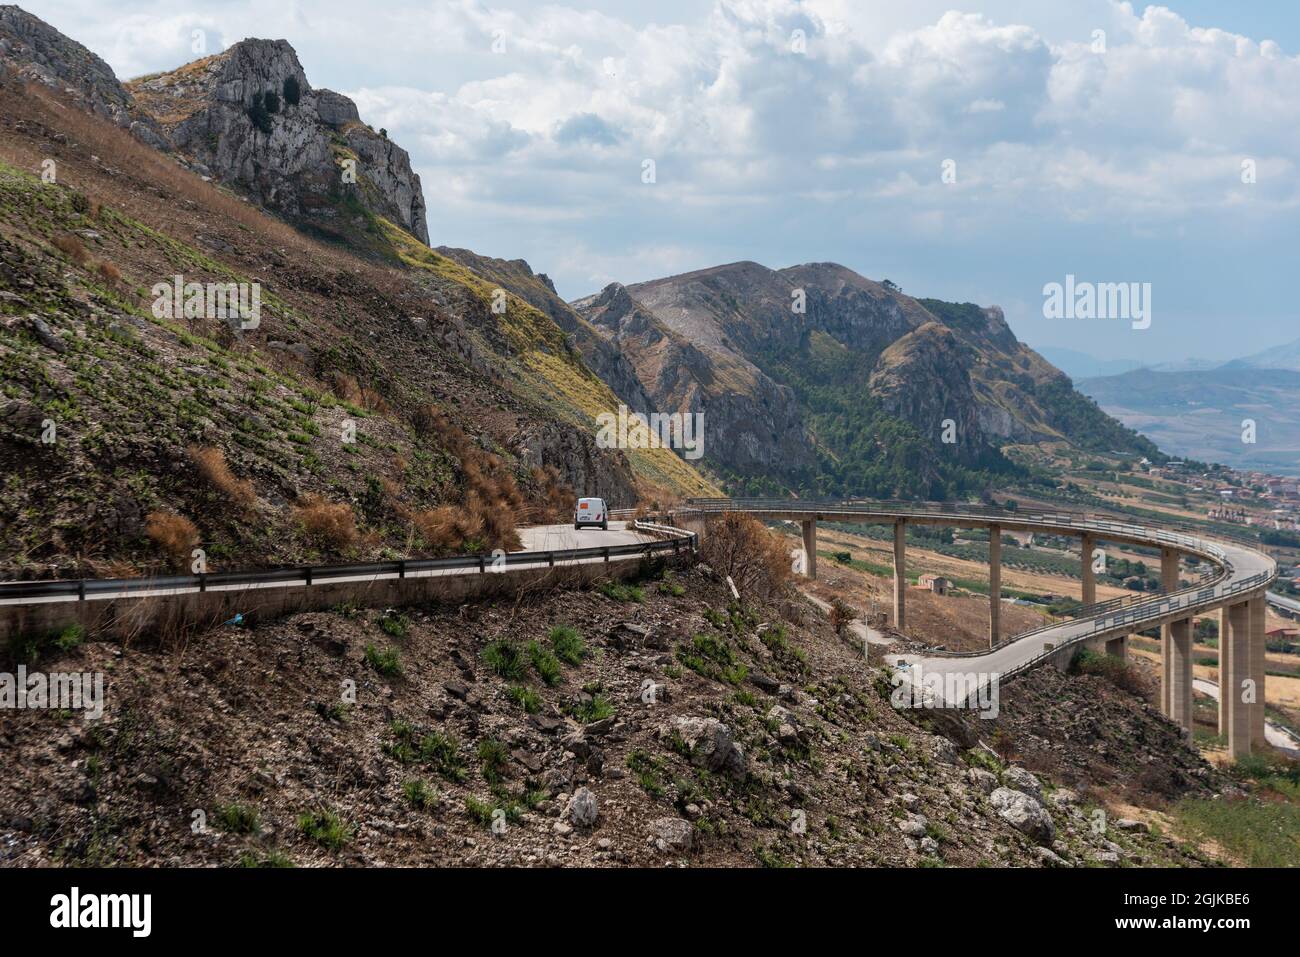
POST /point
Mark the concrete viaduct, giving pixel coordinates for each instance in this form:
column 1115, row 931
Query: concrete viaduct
column 1235, row 591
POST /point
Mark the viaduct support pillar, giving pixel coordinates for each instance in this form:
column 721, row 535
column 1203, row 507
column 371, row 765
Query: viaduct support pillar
column 1168, row 583
column 1086, row 548
column 1180, row 673
column 900, row 575
column 810, row 547
column 995, row 584
column 1234, row 691
column 1225, row 647
column 1117, row 647
column 1258, row 626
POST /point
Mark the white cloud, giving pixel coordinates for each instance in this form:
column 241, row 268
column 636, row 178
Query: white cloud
column 766, row 147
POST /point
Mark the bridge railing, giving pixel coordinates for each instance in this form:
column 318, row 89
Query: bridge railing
column 1115, row 613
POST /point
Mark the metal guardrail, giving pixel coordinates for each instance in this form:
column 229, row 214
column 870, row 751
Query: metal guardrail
column 679, row 542
column 1129, row 613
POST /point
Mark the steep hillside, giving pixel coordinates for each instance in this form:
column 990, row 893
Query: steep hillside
column 366, row 396
column 869, row 391
column 600, row 353
column 678, row 728
column 248, row 117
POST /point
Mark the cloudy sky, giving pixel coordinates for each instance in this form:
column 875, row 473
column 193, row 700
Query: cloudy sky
column 1100, row 139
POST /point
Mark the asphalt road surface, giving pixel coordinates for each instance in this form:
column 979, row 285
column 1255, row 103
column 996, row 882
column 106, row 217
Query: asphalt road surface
column 543, row 538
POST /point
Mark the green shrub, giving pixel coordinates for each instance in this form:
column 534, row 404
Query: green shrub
column 441, row 752
column 418, row 794
column 621, row 592
column 493, row 756
column 387, row 663
column 505, row 658
column 1118, row 671
column 596, row 708
column 394, row 624
column 479, row 810
column 325, row 827
column 237, row 819
column 268, row 859
column 526, row 698
column 70, row 638
column 568, row 644
column 545, row 664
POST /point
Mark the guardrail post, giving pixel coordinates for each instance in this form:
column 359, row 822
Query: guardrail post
column 482, row 566
column 203, row 581
column 550, row 559
column 306, row 574
column 81, row 590
column 606, row 553
column 401, row 568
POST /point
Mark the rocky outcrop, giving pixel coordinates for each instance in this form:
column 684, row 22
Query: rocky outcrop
column 38, row 52
column 587, row 469
column 924, row 379
column 710, row 745
column 752, row 423
column 249, row 117
column 1025, row 814
column 598, row 349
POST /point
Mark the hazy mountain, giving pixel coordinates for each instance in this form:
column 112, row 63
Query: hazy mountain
column 1201, row 415
column 1080, row 365
column 1282, row 357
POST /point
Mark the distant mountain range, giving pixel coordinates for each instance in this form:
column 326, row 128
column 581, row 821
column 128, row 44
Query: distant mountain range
column 1200, row 413
column 1081, row 366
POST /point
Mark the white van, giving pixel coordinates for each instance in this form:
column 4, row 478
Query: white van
column 591, row 511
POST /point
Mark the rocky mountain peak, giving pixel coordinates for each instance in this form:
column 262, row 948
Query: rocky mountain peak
column 38, row 52
column 250, row 117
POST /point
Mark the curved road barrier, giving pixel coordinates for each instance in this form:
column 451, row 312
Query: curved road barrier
column 43, row 606
column 1236, row 588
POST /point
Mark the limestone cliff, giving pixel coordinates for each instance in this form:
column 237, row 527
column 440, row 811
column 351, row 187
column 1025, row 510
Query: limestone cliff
column 38, row 52
column 249, row 117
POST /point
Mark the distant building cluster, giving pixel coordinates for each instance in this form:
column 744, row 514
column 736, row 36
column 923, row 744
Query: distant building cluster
column 1254, row 498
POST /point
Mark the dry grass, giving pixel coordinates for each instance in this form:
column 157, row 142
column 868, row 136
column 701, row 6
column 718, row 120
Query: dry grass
column 555, row 500
column 118, row 148
column 741, row 547
column 110, row 273
column 493, row 503
column 72, row 247
column 326, row 524
column 174, row 534
column 348, row 389
column 211, row 463
column 842, row 615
